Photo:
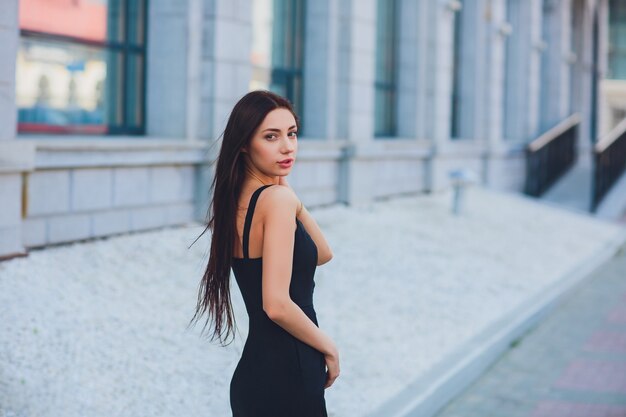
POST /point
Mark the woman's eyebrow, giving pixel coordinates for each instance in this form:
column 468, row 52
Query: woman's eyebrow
column 278, row 130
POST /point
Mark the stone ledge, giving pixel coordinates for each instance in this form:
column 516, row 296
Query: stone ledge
column 16, row 156
column 52, row 152
column 389, row 149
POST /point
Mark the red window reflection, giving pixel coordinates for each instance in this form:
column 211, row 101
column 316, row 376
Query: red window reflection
column 83, row 19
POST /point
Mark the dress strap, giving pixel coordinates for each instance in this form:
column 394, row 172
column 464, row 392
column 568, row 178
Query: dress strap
column 249, row 214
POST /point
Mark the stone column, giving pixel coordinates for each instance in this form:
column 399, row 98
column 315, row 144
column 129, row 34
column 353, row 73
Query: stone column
column 497, row 31
column 413, row 63
column 355, row 98
column 225, row 66
column 439, row 75
column 582, row 68
column 167, row 60
column 523, row 71
column 472, row 63
column 9, row 37
column 14, row 158
column 556, row 64
column 321, row 70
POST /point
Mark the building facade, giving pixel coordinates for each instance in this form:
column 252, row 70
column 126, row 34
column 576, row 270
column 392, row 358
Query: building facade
column 112, row 123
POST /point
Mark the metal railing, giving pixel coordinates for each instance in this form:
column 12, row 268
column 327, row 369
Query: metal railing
column 551, row 155
column 609, row 162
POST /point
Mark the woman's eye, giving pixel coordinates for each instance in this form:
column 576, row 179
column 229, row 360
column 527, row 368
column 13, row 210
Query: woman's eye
column 294, row 134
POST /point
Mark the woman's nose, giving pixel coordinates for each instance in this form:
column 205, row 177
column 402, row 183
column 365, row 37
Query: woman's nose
column 287, row 144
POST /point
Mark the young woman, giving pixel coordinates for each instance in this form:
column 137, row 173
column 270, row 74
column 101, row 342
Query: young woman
column 263, row 232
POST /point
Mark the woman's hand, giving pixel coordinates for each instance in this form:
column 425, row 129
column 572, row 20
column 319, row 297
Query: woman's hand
column 332, row 363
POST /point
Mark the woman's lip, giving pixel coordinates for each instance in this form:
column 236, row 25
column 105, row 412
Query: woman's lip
column 286, row 161
column 286, row 164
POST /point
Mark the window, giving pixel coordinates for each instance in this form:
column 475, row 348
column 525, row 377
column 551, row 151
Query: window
column 81, row 66
column 278, row 48
column 617, row 40
column 386, row 66
column 456, row 77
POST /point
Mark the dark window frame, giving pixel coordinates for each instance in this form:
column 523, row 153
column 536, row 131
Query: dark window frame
column 455, row 112
column 388, row 87
column 616, row 53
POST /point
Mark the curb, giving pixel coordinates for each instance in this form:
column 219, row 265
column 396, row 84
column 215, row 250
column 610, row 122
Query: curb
column 427, row 395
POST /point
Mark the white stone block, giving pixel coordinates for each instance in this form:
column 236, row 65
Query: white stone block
column 11, row 197
column 8, row 14
column 170, row 184
column 187, row 175
column 110, row 222
column 68, row 228
column 48, row 192
column 227, row 9
column 10, row 240
column 179, row 213
column 131, row 186
column 34, row 232
column 225, row 80
column 91, row 189
column 8, row 112
column 147, row 218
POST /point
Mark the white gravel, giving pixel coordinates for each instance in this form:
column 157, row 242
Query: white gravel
column 98, row 328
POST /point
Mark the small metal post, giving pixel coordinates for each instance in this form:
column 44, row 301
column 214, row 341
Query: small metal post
column 459, row 178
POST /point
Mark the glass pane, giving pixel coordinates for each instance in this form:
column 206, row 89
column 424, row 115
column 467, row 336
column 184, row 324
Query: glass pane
column 134, row 107
column 385, row 65
column 617, row 40
column 262, row 23
column 297, row 95
column 115, row 89
column 456, row 81
column 92, row 20
column 281, row 36
column 299, row 30
column 279, row 83
column 385, row 41
column 136, row 21
column 62, row 87
column 384, row 112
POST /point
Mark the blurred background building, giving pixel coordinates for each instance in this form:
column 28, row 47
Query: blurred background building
column 109, row 108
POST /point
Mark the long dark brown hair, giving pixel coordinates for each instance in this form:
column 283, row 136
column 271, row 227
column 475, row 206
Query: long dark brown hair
column 230, row 173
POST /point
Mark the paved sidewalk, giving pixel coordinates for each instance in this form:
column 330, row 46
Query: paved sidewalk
column 573, row 364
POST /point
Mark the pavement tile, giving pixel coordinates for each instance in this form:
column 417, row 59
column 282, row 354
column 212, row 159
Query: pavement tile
column 594, row 375
column 552, row 408
column 606, row 341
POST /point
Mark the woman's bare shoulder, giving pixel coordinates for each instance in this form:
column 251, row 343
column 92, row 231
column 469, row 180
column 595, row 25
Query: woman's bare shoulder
column 277, row 199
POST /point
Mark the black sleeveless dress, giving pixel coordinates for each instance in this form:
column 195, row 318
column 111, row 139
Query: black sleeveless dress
column 278, row 375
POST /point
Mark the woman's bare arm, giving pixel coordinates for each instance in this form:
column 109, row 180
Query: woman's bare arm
column 324, row 254
column 278, row 244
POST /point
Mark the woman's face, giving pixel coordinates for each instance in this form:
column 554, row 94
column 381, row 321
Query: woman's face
column 274, row 141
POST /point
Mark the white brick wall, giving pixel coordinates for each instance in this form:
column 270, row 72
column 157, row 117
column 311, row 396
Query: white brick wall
column 91, row 189
column 10, row 208
column 131, row 186
column 68, row 227
column 110, row 222
column 48, row 192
